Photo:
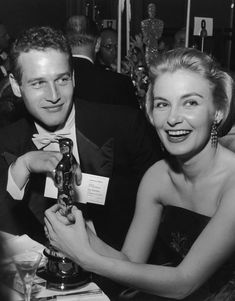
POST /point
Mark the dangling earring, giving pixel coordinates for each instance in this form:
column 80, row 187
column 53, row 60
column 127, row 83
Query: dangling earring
column 214, row 134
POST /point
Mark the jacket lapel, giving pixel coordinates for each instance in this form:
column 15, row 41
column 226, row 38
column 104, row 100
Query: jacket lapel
column 93, row 159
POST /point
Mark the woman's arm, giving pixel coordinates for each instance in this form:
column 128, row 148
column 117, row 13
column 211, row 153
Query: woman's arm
column 214, row 245
column 212, row 248
column 73, row 241
column 140, row 238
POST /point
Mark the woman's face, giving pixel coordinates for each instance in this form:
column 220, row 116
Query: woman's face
column 183, row 111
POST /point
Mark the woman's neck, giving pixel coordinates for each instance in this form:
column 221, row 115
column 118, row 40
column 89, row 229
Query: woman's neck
column 199, row 165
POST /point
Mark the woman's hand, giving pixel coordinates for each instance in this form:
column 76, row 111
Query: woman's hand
column 68, row 234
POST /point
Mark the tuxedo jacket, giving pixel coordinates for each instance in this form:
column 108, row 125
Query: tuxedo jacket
column 113, row 141
column 95, row 84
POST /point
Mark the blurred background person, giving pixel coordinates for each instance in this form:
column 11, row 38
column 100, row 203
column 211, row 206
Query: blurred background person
column 11, row 108
column 179, row 38
column 107, row 55
column 4, row 45
column 93, row 82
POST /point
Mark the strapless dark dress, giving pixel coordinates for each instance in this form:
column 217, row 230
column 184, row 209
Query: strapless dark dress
column 177, row 232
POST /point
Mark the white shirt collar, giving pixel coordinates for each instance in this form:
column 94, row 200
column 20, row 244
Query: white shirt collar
column 69, row 125
column 83, row 57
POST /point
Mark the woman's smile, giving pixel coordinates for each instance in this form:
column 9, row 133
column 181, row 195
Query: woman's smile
column 176, row 136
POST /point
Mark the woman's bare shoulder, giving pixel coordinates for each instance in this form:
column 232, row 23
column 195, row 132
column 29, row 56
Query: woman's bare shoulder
column 156, row 179
column 228, row 161
column 161, row 167
column 227, row 176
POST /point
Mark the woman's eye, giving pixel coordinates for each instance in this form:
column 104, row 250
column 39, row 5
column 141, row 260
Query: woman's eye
column 190, row 103
column 160, row 105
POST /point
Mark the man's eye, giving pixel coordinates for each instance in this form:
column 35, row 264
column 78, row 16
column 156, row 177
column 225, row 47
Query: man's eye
column 109, row 46
column 64, row 80
column 38, row 84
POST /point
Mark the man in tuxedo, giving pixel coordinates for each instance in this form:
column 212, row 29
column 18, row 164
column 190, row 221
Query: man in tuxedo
column 93, row 82
column 112, row 144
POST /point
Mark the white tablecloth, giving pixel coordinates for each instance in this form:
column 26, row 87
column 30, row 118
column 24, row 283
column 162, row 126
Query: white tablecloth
column 16, row 244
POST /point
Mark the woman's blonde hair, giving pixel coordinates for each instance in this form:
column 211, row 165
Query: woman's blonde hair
column 203, row 64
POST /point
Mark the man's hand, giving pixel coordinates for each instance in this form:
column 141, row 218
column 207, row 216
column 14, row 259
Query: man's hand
column 34, row 162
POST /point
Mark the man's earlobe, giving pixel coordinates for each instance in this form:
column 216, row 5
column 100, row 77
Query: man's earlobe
column 14, row 85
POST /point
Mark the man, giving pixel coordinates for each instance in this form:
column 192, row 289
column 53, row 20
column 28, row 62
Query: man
column 10, row 107
column 179, row 38
column 4, row 44
column 107, row 55
column 92, row 82
column 109, row 141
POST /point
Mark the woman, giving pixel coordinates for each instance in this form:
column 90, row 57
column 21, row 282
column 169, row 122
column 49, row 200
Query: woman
column 186, row 200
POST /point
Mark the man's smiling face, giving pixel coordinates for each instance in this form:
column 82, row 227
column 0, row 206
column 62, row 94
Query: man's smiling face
column 46, row 85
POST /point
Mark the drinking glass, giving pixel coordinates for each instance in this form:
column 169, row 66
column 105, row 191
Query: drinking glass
column 27, row 264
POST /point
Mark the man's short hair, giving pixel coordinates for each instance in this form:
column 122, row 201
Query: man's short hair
column 37, row 38
column 81, row 30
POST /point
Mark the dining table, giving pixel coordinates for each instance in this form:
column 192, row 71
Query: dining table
column 15, row 244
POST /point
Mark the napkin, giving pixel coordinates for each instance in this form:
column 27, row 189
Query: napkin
column 14, row 244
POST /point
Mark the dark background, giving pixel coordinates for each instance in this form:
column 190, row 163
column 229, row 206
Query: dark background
column 20, row 14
